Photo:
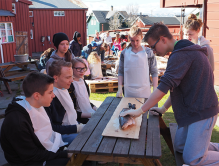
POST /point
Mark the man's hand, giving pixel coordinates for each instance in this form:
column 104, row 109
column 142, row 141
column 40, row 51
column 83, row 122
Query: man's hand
column 161, row 110
column 79, row 42
column 94, row 108
column 132, row 112
column 80, row 127
column 119, row 92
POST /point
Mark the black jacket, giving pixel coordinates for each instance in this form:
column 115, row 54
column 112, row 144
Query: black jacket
column 20, row 144
column 74, row 46
column 72, row 92
column 56, row 113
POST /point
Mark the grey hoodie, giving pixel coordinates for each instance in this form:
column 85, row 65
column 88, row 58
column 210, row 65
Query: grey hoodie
column 190, row 79
column 206, row 43
column 54, row 57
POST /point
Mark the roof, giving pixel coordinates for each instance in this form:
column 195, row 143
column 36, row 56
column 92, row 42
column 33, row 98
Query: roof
column 166, row 20
column 6, row 13
column 103, row 16
column 57, row 4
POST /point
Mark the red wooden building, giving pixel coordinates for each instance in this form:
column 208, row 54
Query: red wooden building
column 48, row 17
column 211, row 23
column 28, row 26
column 13, row 19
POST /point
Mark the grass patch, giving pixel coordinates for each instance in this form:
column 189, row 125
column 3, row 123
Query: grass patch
column 167, row 158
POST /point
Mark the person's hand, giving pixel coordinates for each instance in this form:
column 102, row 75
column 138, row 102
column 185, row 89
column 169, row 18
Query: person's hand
column 135, row 113
column 161, row 110
column 80, row 127
column 94, row 108
column 119, row 92
column 79, row 42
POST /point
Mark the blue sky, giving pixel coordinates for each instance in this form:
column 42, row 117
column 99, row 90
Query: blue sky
column 149, row 7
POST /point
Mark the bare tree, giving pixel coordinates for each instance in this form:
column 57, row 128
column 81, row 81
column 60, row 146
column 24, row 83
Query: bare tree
column 115, row 22
column 132, row 11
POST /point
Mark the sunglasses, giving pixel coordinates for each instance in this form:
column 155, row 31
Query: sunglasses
column 153, row 47
column 78, row 69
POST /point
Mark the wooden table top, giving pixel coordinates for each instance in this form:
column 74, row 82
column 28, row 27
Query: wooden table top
column 90, row 140
column 5, row 65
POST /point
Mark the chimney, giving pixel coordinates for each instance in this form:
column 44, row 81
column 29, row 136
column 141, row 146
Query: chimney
column 111, row 8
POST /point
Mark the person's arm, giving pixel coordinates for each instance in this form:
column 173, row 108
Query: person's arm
column 57, row 126
column 155, row 82
column 23, row 142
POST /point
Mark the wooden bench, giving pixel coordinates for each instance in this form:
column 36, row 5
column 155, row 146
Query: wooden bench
column 3, row 161
column 178, row 156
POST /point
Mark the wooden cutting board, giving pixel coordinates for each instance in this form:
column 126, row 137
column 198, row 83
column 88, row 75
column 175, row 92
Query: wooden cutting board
column 113, row 128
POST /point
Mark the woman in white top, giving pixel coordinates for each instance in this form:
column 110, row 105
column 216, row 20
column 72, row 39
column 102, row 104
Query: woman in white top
column 191, row 32
column 95, row 65
column 134, row 68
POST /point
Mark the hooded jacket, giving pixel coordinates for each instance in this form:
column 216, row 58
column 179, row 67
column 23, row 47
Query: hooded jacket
column 88, row 49
column 206, row 43
column 190, row 79
column 19, row 142
column 54, row 57
column 74, row 46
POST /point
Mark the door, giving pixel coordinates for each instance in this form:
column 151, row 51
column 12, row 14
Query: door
column 21, row 43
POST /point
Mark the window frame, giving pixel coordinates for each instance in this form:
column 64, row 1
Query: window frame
column 30, row 12
column 6, row 32
column 61, row 13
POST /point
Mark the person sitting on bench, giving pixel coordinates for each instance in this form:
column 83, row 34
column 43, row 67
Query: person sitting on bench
column 61, row 111
column 79, row 91
column 27, row 137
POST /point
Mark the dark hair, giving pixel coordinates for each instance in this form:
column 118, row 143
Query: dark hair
column 157, row 30
column 123, row 43
column 47, row 53
column 56, row 66
column 122, row 37
column 193, row 23
column 36, row 82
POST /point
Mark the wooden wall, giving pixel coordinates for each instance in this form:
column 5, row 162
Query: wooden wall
column 6, row 5
column 46, row 24
column 212, row 33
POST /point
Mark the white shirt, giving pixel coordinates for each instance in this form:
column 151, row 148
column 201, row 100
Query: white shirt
column 108, row 39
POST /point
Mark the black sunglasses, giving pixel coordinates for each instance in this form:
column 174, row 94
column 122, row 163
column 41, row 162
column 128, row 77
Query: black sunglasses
column 153, row 47
column 78, row 69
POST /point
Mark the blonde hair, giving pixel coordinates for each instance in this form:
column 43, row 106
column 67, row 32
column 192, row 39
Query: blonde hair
column 134, row 31
column 193, row 23
column 76, row 60
column 93, row 58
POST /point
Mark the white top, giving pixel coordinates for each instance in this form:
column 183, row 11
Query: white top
column 95, row 69
column 82, row 97
column 42, row 126
column 108, row 39
column 70, row 117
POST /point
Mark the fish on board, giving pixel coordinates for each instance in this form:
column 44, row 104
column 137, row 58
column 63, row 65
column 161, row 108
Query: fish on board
column 127, row 120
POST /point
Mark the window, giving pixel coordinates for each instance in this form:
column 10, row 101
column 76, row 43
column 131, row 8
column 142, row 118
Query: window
column 94, row 22
column 30, row 13
column 6, row 32
column 59, row 13
column 13, row 8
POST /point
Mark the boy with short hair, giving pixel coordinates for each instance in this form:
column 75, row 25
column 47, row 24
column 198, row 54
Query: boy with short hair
column 27, row 137
column 61, row 112
column 189, row 77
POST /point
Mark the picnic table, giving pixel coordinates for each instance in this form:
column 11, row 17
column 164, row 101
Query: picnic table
column 91, row 145
column 12, row 71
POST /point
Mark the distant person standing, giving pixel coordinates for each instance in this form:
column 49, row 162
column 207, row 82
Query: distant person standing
column 108, row 40
column 191, row 32
column 61, row 42
column 76, row 45
column 97, row 37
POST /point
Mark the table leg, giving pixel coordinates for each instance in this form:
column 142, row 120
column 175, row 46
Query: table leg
column 165, row 132
column 150, row 162
column 77, row 160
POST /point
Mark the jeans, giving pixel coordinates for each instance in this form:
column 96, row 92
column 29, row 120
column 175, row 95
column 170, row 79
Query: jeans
column 194, row 142
column 69, row 138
